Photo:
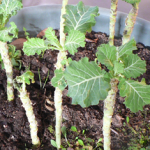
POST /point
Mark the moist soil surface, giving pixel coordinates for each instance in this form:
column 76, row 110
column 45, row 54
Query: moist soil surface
column 128, row 131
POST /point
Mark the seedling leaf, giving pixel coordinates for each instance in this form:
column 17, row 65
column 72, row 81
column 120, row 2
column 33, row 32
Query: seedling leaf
column 34, row 45
column 80, row 142
column 74, row 40
column 58, row 80
column 80, row 17
column 126, row 49
column 86, row 82
column 107, row 55
column 137, row 94
column 74, row 129
column 134, row 66
column 64, row 131
column 50, row 35
column 7, row 34
column 53, row 143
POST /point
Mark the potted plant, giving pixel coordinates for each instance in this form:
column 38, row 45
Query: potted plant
column 30, row 26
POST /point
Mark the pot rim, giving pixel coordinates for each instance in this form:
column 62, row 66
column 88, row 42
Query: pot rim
column 34, row 18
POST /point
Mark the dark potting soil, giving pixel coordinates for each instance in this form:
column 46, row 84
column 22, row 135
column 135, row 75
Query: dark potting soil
column 132, row 133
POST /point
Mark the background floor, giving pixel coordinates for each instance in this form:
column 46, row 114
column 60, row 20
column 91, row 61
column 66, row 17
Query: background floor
column 144, row 7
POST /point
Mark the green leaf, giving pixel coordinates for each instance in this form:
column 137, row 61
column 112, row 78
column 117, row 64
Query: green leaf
column 137, row 94
column 58, row 80
column 80, row 142
column 7, row 34
column 74, row 129
column 134, row 66
column 50, row 35
column 53, row 143
column 126, row 49
column 64, row 131
column 80, row 17
column 118, row 67
column 86, row 82
column 9, row 8
column 34, row 45
column 74, row 40
column 106, row 55
column 132, row 1
column 127, row 119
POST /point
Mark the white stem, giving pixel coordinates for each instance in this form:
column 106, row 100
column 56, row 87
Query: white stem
column 109, row 103
column 27, row 104
column 113, row 13
column 58, row 93
column 9, row 71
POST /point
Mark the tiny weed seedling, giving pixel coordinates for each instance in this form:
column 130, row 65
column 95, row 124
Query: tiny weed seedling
column 8, row 8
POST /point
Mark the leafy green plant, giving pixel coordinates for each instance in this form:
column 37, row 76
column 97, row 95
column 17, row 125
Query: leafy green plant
column 75, row 21
column 20, row 84
column 8, row 8
column 14, row 57
column 88, row 83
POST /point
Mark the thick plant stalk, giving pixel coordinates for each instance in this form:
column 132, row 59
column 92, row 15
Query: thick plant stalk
column 27, row 104
column 9, row 70
column 129, row 23
column 113, row 13
column 109, row 103
column 58, row 93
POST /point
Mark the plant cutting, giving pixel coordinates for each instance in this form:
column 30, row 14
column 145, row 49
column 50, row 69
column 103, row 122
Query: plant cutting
column 75, row 20
column 8, row 8
column 130, row 20
column 113, row 13
column 20, row 84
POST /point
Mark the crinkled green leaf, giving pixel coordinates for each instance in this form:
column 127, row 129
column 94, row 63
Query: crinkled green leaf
column 34, row 45
column 134, row 66
column 118, row 67
column 7, row 34
column 80, row 17
column 126, row 49
column 106, row 55
column 74, row 40
column 137, row 94
column 132, row 1
column 86, row 82
column 50, row 35
column 9, row 8
column 58, row 80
